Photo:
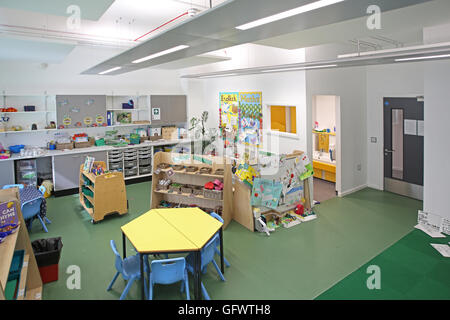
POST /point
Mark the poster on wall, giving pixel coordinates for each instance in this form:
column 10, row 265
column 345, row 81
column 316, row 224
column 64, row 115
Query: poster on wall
column 229, row 117
column 250, row 110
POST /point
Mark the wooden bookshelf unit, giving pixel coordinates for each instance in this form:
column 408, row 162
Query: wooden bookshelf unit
column 104, row 194
column 30, row 283
column 198, row 179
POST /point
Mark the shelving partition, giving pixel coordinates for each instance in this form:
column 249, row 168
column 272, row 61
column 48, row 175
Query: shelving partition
column 198, row 179
column 30, row 283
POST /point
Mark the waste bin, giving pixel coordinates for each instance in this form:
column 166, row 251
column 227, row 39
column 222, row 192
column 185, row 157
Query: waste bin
column 48, row 253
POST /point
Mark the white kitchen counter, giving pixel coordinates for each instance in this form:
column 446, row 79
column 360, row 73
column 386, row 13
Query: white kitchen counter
column 55, row 153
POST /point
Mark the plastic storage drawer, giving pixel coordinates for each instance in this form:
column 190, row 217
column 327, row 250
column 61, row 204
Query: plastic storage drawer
column 145, row 162
column 130, row 164
column 115, row 165
column 145, row 170
column 115, row 152
column 131, row 172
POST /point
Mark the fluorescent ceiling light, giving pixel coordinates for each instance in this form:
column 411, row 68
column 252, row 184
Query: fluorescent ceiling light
column 302, row 68
column 110, row 70
column 286, row 14
column 423, row 58
column 162, row 53
column 220, row 75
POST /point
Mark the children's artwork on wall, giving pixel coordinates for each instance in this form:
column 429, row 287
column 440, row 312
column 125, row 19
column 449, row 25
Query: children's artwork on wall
column 266, row 193
column 250, row 105
column 229, row 117
column 247, row 174
column 308, row 170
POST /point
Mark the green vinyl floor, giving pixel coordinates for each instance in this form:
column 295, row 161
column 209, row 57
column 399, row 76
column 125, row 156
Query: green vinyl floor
column 297, row 263
column 409, row 270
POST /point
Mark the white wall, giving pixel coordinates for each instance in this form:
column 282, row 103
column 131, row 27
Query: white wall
column 401, row 80
column 350, row 85
column 31, row 79
column 279, row 88
column 437, row 151
column 325, row 112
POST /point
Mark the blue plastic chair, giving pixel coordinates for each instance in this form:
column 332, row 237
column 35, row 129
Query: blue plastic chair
column 31, row 209
column 217, row 238
column 169, row 271
column 129, row 268
column 9, row 186
column 207, row 257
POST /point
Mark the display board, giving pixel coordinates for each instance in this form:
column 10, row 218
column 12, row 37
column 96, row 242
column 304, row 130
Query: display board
column 250, row 107
column 241, row 118
column 80, row 111
column 168, row 109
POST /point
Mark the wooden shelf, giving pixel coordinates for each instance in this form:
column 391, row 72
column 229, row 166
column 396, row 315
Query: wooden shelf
column 197, row 179
column 186, row 195
column 109, row 193
column 23, row 278
column 30, row 283
column 327, row 133
column 7, row 248
column 194, row 173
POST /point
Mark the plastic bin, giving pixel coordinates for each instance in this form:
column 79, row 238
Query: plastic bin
column 48, row 253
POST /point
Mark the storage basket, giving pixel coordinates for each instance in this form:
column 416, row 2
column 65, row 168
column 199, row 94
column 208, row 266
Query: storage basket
column 213, row 194
column 219, row 172
column 191, row 169
column 178, row 167
column 205, row 170
column 186, row 189
column 161, row 187
column 175, row 188
column 197, row 190
column 163, row 166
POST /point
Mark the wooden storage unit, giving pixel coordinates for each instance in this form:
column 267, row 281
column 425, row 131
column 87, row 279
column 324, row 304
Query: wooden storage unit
column 325, row 171
column 108, row 193
column 193, row 179
column 30, row 284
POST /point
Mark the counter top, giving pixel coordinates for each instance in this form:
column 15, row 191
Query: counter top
column 55, row 153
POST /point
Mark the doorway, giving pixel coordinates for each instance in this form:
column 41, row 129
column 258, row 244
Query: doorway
column 326, row 146
column 404, row 146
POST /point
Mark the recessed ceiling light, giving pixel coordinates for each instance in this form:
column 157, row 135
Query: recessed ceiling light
column 220, row 75
column 302, row 68
column 423, row 58
column 162, row 53
column 111, row 70
column 286, row 14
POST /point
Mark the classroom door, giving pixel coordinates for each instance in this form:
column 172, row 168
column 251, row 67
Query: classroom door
column 404, row 146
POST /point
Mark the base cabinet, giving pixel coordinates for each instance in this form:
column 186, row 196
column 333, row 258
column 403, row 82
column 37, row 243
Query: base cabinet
column 66, row 169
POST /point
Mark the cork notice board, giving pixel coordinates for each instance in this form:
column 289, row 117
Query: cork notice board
column 80, row 111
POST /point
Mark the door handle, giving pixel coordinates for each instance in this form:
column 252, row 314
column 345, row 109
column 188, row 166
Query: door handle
column 390, row 151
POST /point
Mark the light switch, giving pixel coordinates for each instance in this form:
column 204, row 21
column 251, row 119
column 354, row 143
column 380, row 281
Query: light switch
column 373, row 139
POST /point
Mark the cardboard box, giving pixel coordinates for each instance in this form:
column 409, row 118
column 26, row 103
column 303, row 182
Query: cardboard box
column 87, row 144
column 8, row 213
column 170, row 133
column 62, row 146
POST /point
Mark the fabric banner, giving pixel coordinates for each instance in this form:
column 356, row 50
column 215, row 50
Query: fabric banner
column 229, row 117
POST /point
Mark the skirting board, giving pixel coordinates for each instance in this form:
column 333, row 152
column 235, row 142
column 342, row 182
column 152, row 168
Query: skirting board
column 353, row 190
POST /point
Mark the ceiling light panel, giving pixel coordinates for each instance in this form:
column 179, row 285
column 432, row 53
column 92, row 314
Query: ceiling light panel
column 290, row 13
column 162, row 53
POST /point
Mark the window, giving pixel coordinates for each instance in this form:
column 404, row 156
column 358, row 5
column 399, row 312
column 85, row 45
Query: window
column 283, row 119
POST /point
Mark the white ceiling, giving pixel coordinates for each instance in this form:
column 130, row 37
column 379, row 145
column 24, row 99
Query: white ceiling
column 112, row 23
column 33, row 51
column 90, row 9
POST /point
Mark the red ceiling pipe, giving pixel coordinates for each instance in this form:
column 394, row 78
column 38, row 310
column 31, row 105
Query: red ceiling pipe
column 181, row 15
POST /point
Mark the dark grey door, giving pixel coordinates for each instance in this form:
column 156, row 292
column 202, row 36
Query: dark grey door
column 404, row 146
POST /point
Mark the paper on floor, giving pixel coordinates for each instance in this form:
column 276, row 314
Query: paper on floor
column 443, row 249
column 429, row 231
